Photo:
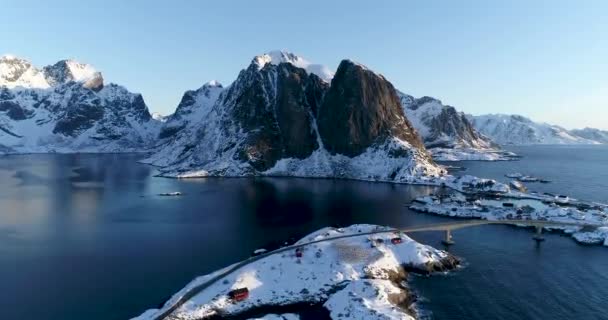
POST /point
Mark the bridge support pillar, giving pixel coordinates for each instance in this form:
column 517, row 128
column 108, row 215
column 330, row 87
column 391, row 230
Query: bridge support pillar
column 538, row 236
column 448, row 238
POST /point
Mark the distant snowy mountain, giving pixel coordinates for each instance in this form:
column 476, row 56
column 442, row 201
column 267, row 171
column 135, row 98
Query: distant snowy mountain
column 66, row 107
column 518, row 130
column 600, row 136
column 280, row 118
column 441, row 125
column 447, row 133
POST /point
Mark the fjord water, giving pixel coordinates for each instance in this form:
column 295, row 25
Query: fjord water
column 88, row 236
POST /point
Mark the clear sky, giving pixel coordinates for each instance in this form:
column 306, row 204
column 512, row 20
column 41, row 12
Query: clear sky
column 544, row 59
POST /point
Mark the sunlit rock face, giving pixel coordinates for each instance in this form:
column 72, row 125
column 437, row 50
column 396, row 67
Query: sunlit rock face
column 360, row 109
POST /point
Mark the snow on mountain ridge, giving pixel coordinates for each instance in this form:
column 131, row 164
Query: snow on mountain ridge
column 65, row 107
column 518, row 130
column 69, row 70
column 277, row 56
column 447, row 133
column 598, row 135
column 17, row 72
column 192, row 109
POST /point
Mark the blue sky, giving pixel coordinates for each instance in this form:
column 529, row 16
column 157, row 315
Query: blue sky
column 543, row 59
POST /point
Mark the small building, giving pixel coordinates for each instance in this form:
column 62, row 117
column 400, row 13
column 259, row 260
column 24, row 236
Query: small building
column 396, row 240
column 239, row 294
column 299, row 252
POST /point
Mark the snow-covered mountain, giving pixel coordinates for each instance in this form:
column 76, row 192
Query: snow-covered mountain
column 517, row 130
column 600, row 136
column 447, row 133
column 280, row 119
column 193, row 108
column 441, row 125
column 66, row 107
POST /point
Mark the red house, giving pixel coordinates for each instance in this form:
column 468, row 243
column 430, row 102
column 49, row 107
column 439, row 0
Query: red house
column 239, row 294
column 396, row 240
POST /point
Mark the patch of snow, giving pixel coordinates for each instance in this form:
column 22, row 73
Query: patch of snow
column 367, row 299
column 276, row 57
column 80, row 71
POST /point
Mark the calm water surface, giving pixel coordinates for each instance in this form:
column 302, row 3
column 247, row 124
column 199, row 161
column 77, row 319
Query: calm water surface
column 87, row 237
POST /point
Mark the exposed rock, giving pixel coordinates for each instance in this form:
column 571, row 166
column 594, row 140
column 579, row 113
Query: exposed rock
column 274, row 107
column 360, row 109
column 14, row 111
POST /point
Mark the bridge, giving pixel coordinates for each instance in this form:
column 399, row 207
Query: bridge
column 537, row 224
column 448, row 240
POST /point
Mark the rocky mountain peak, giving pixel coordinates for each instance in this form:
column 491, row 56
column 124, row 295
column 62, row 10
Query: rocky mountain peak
column 12, row 68
column 213, row 84
column 193, row 107
column 279, row 118
column 69, row 70
column 442, row 126
column 277, row 57
column 362, row 108
column 18, row 72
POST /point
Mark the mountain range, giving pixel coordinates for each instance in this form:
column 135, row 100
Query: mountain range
column 283, row 115
column 280, row 119
column 518, row 130
column 67, row 107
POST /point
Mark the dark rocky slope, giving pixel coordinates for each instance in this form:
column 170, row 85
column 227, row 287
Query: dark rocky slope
column 279, row 119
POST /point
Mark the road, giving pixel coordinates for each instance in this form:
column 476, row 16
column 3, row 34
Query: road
column 166, row 315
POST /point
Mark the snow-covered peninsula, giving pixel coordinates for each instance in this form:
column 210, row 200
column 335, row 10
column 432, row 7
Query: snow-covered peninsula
column 357, row 272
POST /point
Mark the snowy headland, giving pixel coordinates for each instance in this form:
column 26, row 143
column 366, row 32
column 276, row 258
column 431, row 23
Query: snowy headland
column 357, row 272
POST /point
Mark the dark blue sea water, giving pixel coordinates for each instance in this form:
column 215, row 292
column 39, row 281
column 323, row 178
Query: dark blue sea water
column 88, row 237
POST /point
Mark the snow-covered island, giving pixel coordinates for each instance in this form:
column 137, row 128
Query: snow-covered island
column 357, row 272
column 586, row 223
